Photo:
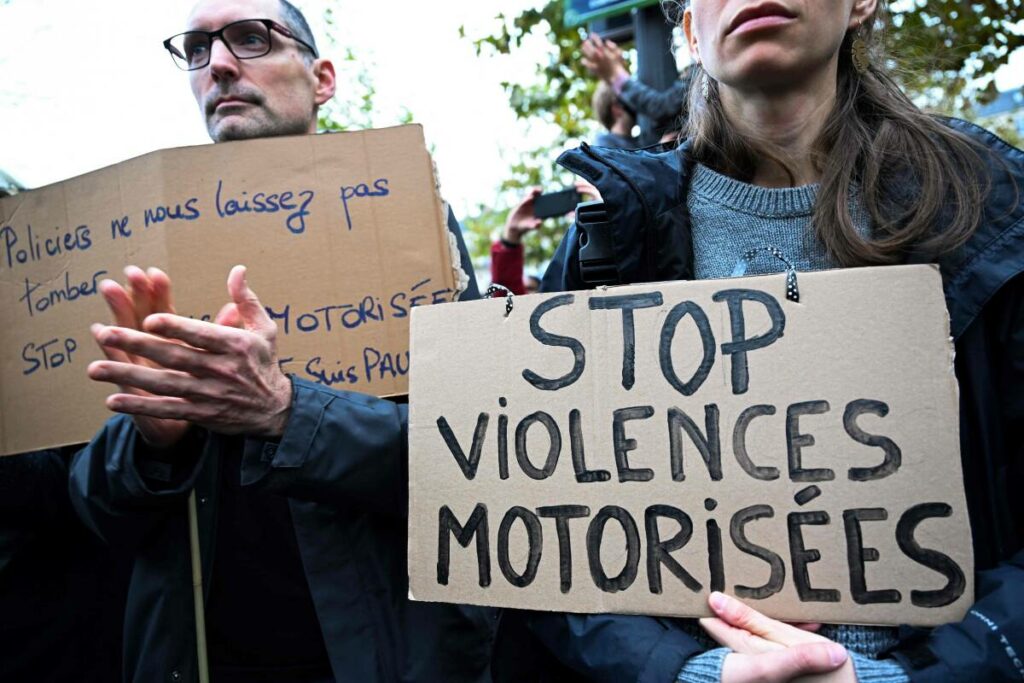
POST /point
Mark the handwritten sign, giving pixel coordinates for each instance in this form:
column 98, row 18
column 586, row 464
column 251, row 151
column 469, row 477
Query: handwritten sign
column 631, row 449
column 343, row 234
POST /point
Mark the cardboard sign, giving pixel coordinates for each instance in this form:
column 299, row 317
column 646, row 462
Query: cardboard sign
column 630, row 449
column 343, row 235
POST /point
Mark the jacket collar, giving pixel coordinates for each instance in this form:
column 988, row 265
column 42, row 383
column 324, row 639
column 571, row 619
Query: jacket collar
column 639, row 188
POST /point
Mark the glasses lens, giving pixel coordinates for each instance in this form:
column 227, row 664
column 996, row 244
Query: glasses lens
column 191, row 50
column 248, row 39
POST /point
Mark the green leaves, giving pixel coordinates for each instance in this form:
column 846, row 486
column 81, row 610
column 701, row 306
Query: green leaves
column 948, row 50
column 944, row 52
column 559, row 95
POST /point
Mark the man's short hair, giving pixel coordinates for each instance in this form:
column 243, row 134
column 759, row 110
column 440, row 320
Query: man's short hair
column 295, row 21
column 604, row 99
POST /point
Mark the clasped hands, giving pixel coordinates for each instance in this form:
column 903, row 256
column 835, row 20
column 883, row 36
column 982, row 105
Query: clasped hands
column 768, row 650
column 174, row 371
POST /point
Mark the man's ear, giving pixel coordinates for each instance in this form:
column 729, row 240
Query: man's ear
column 691, row 35
column 326, row 83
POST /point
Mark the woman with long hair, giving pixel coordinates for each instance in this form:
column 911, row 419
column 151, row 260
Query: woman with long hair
column 800, row 140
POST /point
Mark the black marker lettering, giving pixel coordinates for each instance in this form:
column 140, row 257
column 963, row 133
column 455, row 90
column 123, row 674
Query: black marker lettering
column 893, row 455
column 470, row 464
column 627, row 303
column 740, row 345
column 857, row 556
column 716, row 563
column 708, row 443
column 579, row 464
column 554, row 447
column 550, row 339
column 659, row 552
column 534, row 542
column 795, row 442
column 447, row 525
column 562, row 514
column 933, row 559
column 595, row 536
column 668, row 333
column 801, row 557
column 623, row 446
column 739, row 443
column 737, row 530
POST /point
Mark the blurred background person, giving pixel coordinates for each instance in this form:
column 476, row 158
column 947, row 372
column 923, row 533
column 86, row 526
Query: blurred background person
column 615, row 117
column 667, row 108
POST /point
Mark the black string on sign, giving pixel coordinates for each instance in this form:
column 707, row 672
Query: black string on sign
column 792, row 290
column 494, row 289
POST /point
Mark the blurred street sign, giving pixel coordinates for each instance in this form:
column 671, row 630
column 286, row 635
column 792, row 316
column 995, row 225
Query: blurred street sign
column 578, row 12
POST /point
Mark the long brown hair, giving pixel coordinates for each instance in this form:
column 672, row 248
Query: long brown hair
column 922, row 183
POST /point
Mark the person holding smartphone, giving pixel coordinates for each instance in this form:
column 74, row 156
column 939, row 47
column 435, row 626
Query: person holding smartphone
column 507, row 252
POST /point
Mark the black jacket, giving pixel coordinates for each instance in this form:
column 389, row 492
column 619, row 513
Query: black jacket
column 645, row 199
column 341, row 465
column 62, row 592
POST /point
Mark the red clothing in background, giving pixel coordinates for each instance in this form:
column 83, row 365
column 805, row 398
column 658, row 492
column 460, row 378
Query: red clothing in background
column 507, row 267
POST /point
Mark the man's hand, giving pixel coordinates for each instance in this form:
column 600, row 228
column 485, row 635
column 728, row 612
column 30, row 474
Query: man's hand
column 603, row 58
column 147, row 292
column 586, row 189
column 521, row 219
column 210, row 374
column 765, row 649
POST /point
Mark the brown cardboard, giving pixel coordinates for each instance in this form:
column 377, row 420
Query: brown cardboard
column 868, row 333
column 388, row 252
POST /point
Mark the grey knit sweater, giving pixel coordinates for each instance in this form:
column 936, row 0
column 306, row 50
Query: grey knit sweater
column 730, row 218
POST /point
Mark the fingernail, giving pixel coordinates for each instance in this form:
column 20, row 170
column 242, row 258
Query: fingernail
column 717, row 601
column 836, row 654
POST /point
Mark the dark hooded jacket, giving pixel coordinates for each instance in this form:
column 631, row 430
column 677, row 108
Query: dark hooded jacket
column 341, row 465
column 649, row 239
column 62, row 592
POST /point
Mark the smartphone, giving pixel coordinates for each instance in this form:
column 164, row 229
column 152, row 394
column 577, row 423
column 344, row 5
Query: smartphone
column 556, row 203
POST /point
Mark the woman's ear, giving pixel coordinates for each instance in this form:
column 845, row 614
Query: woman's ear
column 691, row 34
column 862, row 11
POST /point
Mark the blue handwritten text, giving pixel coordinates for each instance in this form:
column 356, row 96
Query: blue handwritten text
column 39, row 299
column 20, row 249
column 261, row 202
column 380, row 189
column 48, row 355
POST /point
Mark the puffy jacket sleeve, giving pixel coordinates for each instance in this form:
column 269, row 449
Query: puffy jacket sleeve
column 664, row 106
column 339, row 447
column 987, row 645
column 613, row 648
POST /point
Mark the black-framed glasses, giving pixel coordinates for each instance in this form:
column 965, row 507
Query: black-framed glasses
column 245, row 39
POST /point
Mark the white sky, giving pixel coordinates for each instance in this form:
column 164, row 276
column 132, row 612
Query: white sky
column 87, row 84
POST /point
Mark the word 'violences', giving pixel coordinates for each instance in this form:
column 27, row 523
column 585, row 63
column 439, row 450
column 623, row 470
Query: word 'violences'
column 707, row 442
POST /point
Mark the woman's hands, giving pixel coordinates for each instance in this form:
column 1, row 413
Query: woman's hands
column 765, row 649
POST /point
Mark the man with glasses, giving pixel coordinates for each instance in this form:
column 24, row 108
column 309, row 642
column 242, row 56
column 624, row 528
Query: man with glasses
column 301, row 489
column 278, row 95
